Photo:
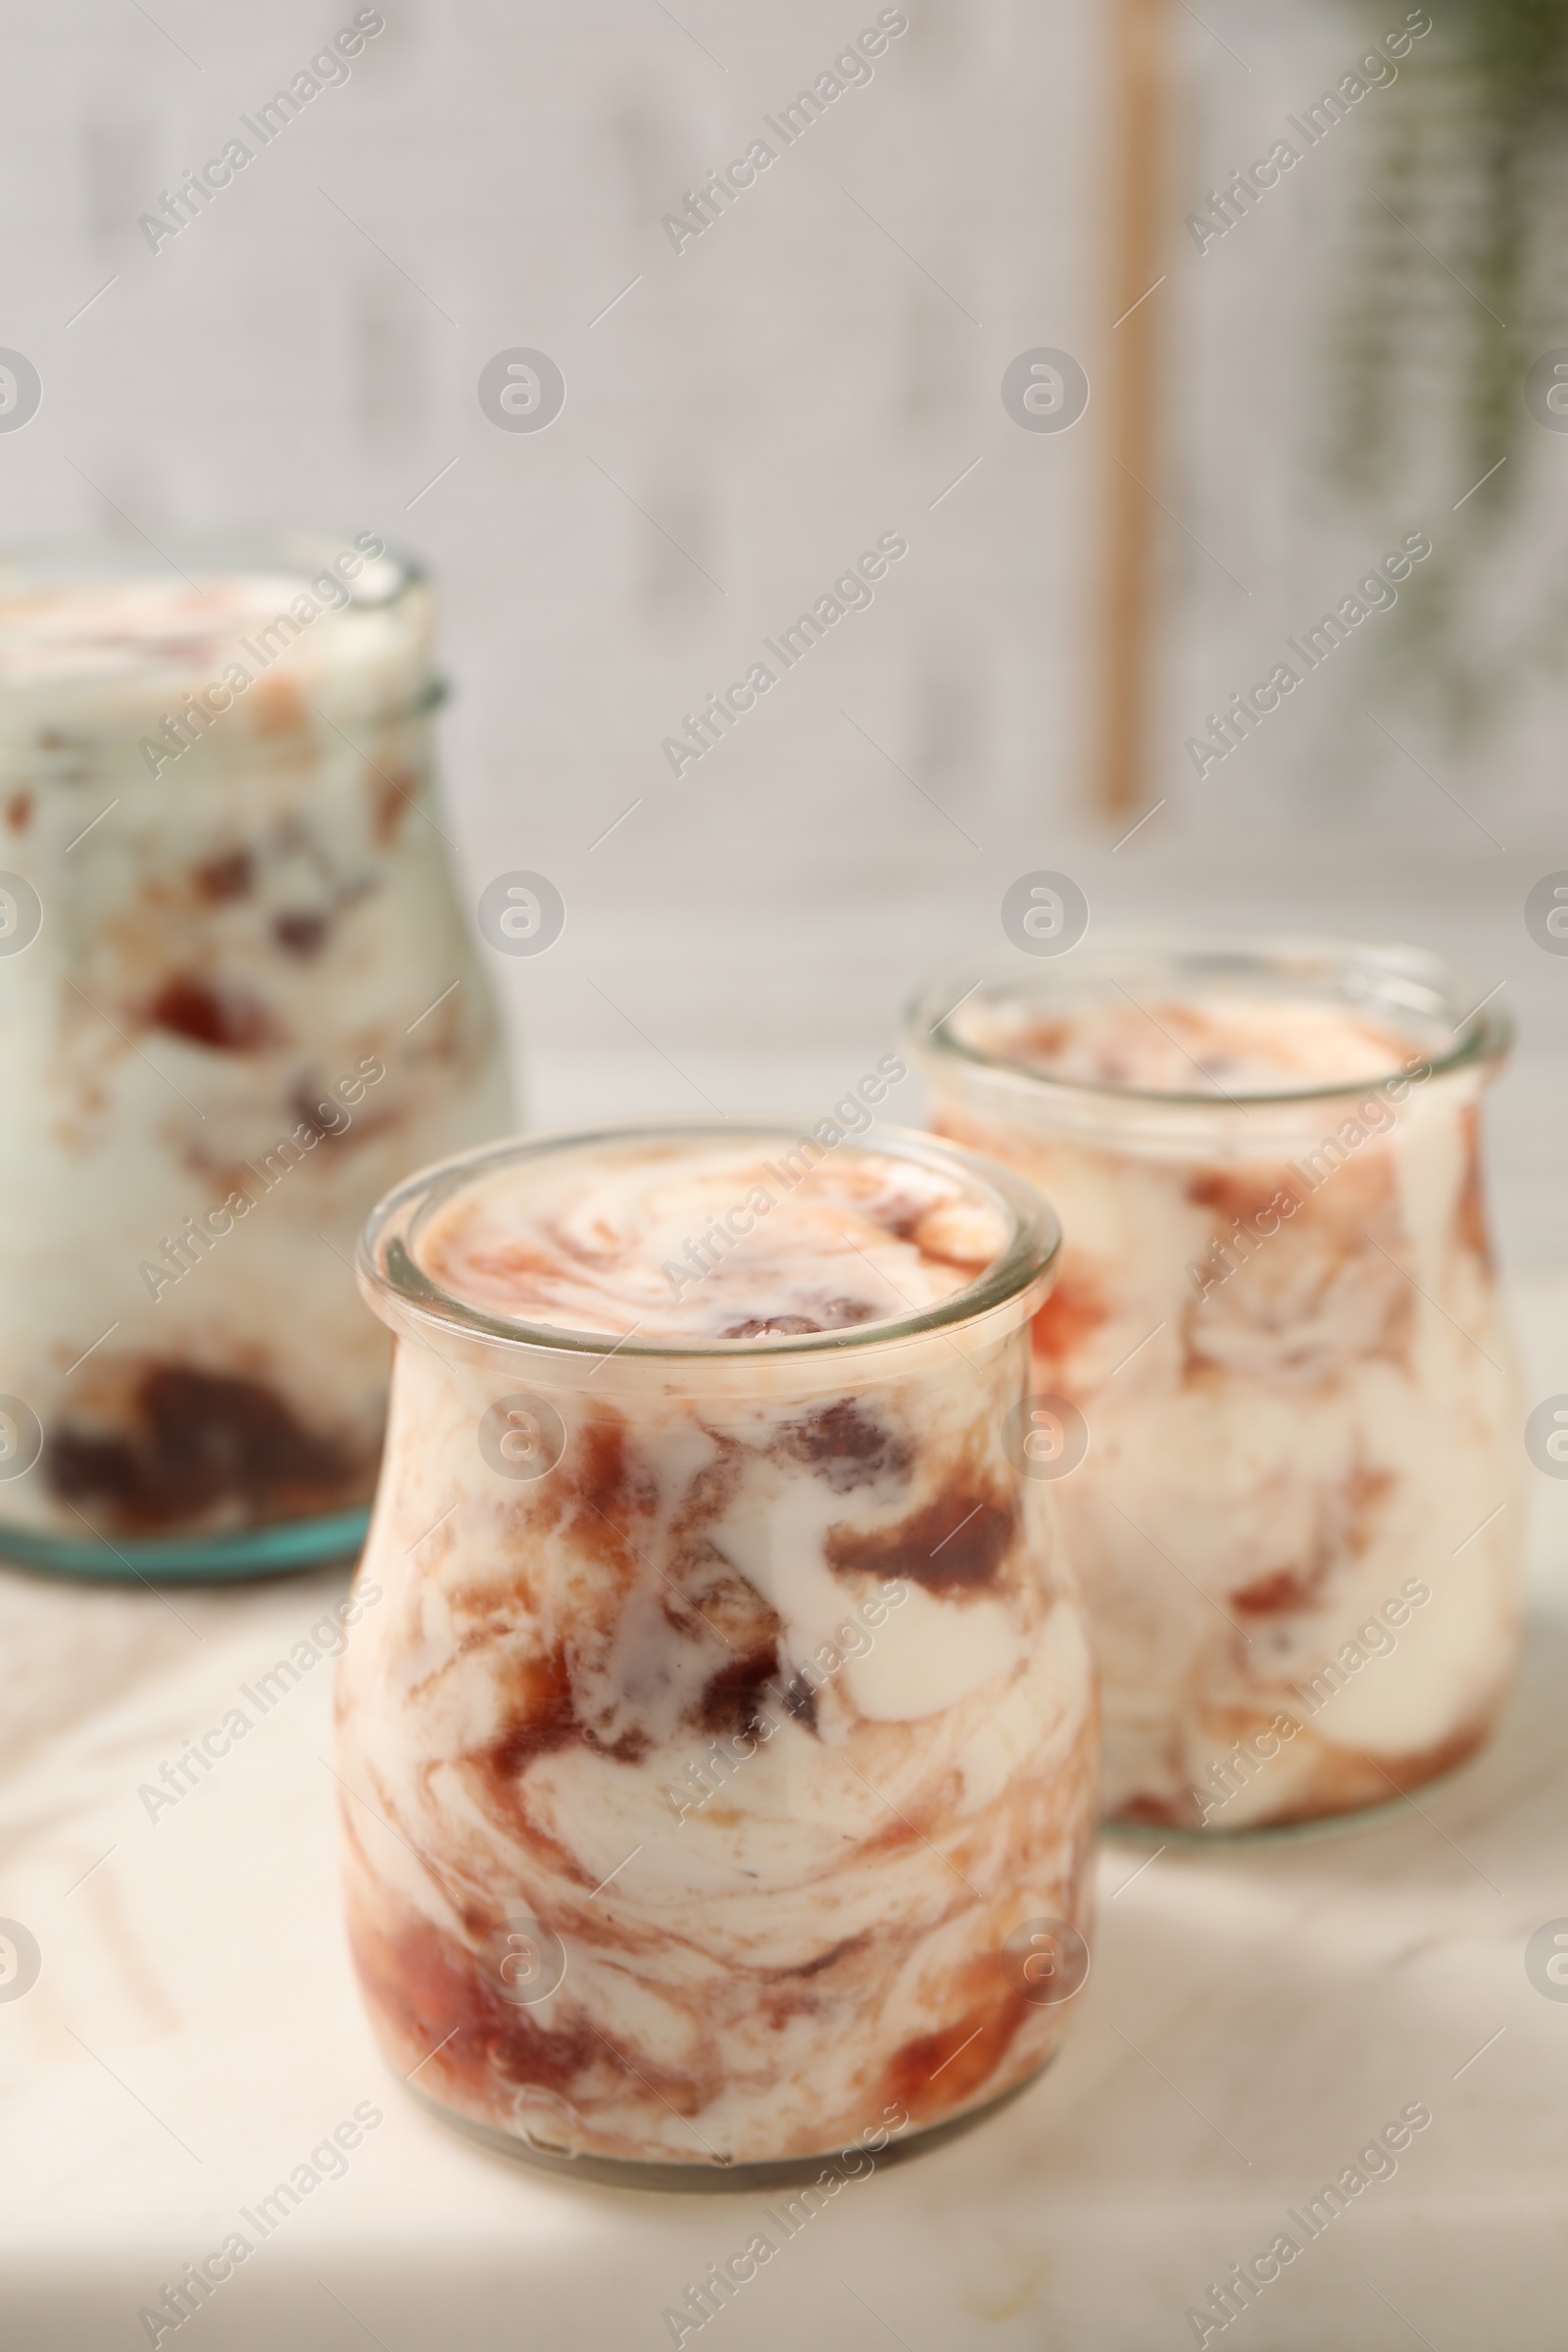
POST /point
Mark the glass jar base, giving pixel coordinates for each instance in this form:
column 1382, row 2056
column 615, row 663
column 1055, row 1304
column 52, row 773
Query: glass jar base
column 1290, row 1833
column 708, row 2177
column 192, row 1559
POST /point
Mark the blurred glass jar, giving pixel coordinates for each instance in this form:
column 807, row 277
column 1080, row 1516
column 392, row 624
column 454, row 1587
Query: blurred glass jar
column 238, row 999
column 719, row 1743
column 1271, row 1380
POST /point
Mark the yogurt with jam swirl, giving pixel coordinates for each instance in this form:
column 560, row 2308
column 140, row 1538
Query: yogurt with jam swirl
column 237, row 997
column 706, row 1749
column 1278, row 1321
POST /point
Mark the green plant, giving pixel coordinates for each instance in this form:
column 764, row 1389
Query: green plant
column 1460, row 280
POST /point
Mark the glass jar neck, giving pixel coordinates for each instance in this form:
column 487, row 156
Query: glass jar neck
column 979, row 1314
column 111, row 659
column 1454, row 1040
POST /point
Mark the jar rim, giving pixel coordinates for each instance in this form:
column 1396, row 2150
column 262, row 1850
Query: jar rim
column 101, row 702
column 59, row 561
column 391, row 1277
column 1385, row 981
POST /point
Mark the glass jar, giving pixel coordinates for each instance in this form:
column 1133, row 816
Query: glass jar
column 719, row 1738
column 237, row 999
column 1283, row 1407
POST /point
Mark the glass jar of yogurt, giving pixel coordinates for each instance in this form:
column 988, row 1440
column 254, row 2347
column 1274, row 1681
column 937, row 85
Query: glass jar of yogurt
column 1271, row 1376
column 719, row 1741
column 237, row 999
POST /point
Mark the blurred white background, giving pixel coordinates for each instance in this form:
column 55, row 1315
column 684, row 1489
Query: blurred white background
column 745, row 417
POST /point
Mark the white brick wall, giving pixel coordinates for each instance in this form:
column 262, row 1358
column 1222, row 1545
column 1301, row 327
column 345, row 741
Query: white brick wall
column 771, row 398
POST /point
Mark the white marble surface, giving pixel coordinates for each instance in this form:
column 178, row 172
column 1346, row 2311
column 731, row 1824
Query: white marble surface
column 1252, row 2019
column 748, row 417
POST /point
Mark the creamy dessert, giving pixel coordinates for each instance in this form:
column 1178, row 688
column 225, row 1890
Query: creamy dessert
column 728, row 1707
column 237, row 997
column 1276, row 1317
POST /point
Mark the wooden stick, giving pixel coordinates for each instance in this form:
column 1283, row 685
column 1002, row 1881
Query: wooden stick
column 1133, row 405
